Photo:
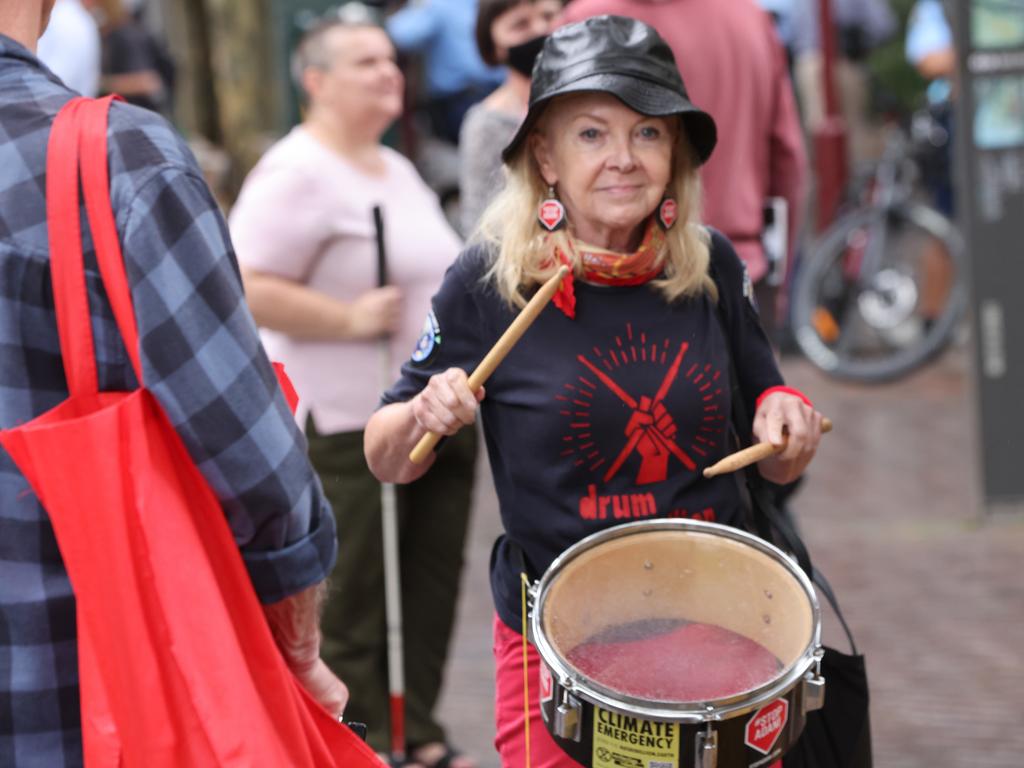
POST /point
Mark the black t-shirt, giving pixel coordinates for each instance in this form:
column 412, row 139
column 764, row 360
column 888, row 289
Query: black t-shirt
column 129, row 48
column 599, row 420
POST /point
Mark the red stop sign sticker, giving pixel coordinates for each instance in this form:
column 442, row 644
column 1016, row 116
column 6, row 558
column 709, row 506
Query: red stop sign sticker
column 766, row 724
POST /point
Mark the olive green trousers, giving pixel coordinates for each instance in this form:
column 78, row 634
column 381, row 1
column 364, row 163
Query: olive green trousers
column 433, row 516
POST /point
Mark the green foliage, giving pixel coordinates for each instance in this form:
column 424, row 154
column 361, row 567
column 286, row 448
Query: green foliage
column 896, row 85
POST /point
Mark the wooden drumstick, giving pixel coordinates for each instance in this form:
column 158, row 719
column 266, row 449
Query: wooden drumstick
column 752, row 455
column 498, row 352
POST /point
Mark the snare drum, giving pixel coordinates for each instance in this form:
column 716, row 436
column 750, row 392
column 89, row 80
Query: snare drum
column 676, row 643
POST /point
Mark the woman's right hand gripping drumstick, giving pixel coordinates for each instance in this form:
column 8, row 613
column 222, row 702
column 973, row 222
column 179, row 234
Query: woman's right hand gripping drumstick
column 444, row 406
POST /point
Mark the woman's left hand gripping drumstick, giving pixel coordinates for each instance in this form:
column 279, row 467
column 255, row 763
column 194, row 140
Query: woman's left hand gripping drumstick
column 787, row 432
column 784, row 420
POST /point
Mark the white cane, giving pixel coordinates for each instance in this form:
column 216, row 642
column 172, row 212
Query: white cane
column 392, row 570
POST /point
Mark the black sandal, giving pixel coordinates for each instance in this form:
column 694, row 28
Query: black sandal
column 449, row 755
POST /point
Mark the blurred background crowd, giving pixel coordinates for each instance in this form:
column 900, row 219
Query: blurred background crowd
column 220, row 69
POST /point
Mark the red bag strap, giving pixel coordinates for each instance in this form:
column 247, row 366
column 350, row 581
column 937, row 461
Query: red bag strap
column 67, row 270
column 78, row 139
column 96, row 184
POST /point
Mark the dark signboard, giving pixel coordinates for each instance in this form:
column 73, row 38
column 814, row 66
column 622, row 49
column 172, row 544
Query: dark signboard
column 989, row 103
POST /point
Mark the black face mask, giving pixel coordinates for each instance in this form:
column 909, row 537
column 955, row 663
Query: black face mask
column 521, row 57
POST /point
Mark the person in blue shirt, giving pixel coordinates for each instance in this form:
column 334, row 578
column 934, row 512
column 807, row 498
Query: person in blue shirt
column 782, row 11
column 929, row 47
column 861, row 25
column 455, row 77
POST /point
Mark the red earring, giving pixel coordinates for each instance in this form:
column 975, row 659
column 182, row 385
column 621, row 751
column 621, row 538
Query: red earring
column 668, row 212
column 551, row 212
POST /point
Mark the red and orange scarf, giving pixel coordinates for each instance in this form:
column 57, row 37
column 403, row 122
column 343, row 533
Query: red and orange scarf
column 606, row 267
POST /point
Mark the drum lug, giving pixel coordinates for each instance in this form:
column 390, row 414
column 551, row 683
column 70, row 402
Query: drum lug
column 707, row 748
column 568, row 722
column 531, row 595
column 814, row 692
column 531, row 600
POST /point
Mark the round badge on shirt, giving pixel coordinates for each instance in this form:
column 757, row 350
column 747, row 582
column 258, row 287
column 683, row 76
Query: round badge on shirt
column 429, row 341
column 748, row 286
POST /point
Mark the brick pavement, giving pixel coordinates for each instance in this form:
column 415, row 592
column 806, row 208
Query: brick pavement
column 933, row 590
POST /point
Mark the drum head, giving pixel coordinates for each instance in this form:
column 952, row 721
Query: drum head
column 690, row 613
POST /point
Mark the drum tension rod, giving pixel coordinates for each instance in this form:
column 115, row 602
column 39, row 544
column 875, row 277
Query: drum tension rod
column 568, row 721
column 707, row 747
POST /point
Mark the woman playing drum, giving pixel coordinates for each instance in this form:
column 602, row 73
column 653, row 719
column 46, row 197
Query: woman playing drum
column 619, row 395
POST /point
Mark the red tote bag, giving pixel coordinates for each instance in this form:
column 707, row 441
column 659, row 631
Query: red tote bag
column 177, row 664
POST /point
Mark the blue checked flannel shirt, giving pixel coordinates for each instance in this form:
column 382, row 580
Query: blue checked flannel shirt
column 201, row 359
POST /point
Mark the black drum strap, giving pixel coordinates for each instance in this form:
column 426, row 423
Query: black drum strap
column 769, row 522
column 518, row 557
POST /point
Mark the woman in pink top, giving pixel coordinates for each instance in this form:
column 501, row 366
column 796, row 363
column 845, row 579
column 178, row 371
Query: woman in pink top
column 305, row 236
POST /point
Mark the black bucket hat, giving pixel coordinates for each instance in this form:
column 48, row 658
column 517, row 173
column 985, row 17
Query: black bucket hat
column 620, row 56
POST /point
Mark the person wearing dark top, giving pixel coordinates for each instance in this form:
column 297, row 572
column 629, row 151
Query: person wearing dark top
column 618, row 396
column 135, row 64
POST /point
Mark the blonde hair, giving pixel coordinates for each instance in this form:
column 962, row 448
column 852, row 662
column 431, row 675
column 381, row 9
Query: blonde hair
column 509, row 225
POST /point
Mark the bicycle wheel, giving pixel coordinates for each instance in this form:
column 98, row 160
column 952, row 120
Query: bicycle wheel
column 880, row 293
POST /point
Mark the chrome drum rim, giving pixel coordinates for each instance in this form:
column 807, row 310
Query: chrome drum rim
column 682, row 712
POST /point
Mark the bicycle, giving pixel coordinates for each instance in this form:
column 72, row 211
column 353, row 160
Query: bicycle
column 882, row 290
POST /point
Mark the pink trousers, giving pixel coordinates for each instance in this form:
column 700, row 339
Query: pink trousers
column 510, row 738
